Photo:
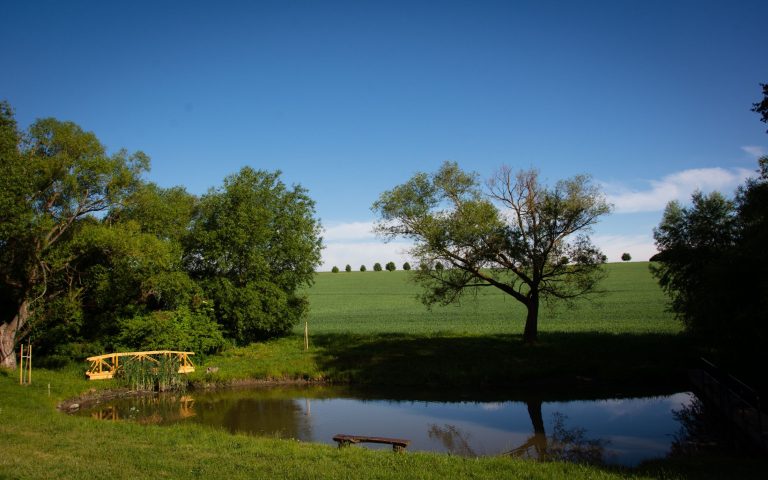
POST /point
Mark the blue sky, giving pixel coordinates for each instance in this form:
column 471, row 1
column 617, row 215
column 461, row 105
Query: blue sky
column 349, row 99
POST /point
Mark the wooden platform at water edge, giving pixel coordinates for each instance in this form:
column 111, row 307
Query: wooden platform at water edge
column 105, row 366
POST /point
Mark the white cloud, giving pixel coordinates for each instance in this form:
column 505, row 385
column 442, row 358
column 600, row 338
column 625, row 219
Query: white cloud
column 755, row 150
column 341, row 253
column 349, row 231
column 640, row 247
column 676, row 186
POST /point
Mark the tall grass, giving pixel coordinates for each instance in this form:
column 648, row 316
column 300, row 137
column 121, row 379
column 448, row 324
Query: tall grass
column 143, row 374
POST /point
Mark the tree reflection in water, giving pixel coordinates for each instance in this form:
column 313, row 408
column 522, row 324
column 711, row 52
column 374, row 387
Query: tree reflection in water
column 565, row 444
column 453, row 439
column 704, row 431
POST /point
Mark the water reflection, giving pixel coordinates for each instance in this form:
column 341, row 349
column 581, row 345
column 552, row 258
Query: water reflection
column 624, row 431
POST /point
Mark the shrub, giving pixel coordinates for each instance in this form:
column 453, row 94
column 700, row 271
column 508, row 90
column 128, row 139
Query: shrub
column 377, row 267
column 362, row 268
column 348, row 268
column 626, row 257
column 390, row 266
column 335, row 269
column 406, row 266
column 439, row 266
column 180, row 329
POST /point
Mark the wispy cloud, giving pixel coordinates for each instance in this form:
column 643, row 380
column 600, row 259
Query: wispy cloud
column 755, row 150
column 640, row 247
column 676, row 186
column 339, row 254
column 350, row 231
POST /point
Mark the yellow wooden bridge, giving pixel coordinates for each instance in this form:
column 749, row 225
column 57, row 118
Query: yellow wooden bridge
column 106, row 366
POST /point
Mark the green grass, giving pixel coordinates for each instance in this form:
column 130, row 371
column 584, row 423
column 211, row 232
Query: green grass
column 385, row 302
column 39, row 442
column 368, row 328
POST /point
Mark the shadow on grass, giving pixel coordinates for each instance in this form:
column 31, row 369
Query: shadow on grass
column 560, row 362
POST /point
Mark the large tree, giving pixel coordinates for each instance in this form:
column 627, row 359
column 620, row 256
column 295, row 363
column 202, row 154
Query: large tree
column 520, row 236
column 54, row 176
column 712, row 262
column 253, row 244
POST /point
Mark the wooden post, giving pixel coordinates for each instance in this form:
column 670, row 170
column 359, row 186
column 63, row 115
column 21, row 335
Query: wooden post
column 27, row 367
column 306, row 335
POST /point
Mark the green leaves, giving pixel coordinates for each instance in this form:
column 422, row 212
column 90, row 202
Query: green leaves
column 520, row 236
column 254, row 243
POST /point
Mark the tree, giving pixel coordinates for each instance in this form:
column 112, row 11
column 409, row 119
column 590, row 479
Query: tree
column 362, row 268
column 335, row 269
column 626, row 257
column 520, row 236
column 693, row 244
column 390, row 266
column 348, row 268
column 377, row 267
column 55, row 178
column 253, row 244
column 406, row 266
column 761, row 107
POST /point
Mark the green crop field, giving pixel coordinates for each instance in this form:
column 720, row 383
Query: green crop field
column 386, row 302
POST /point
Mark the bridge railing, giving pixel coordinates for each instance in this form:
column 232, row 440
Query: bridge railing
column 107, row 365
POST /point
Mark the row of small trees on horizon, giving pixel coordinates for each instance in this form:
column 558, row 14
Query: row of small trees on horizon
column 390, row 267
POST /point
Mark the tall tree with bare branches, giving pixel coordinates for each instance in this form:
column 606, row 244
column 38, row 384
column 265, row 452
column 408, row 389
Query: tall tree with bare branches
column 518, row 235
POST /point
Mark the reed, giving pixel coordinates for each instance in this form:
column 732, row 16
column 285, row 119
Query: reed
column 144, row 374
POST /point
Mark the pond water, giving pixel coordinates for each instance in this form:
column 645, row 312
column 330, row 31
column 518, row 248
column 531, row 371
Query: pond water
column 614, row 430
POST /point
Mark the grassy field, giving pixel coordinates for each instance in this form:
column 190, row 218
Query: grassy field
column 385, row 302
column 368, row 328
column 38, row 442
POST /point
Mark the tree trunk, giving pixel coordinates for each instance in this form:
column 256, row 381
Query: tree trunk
column 8, row 332
column 539, row 438
column 531, row 332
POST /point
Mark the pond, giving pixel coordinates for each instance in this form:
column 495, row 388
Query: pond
column 622, row 431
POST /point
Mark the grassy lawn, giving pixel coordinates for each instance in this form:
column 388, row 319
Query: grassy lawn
column 40, row 442
column 368, row 328
column 385, row 302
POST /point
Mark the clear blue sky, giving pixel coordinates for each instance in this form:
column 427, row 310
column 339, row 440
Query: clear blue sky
column 349, row 99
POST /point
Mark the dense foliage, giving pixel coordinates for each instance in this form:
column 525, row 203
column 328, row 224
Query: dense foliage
column 94, row 258
column 702, row 248
column 252, row 245
column 712, row 262
column 519, row 236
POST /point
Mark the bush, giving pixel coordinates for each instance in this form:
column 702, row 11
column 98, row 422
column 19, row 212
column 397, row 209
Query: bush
column 377, row 267
column 390, row 266
column 406, row 266
column 362, row 268
column 348, row 268
column 256, row 311
column 179, row 329
column 626, row 257
column 335, row 269
column 439, row 266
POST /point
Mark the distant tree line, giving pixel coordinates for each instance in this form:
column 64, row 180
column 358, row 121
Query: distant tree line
column 94, row 258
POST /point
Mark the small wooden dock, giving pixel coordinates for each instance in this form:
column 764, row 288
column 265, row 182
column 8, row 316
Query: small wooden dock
column 106, row 366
